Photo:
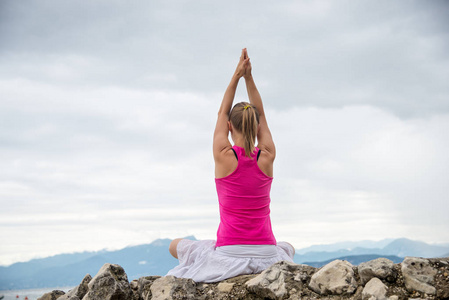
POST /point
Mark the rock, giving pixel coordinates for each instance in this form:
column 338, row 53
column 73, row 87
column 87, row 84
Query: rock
column 303, row 274
column 110, row 283
column 78, row 292
column 418, row 274
column 53, row 295
column 374, row 289
column 271, row 282
column 441, row 279
column 169, row 287
column 225, row 287
column 335, row 278
column 381, row 268
column 141, row 288
column 134, row 286
column 414, row 278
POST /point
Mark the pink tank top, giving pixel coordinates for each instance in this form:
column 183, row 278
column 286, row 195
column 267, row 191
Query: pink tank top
column 244, row 201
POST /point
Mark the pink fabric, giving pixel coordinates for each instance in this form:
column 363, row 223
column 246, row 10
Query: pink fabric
column 244, row 201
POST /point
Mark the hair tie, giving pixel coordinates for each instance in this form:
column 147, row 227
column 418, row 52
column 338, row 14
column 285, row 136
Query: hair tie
column 246, row 107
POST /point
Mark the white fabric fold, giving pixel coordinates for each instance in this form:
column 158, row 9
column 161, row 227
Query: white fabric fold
column 200, row 261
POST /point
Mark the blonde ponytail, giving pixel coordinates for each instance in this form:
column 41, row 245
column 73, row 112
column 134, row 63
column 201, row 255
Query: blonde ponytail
column 245, row 118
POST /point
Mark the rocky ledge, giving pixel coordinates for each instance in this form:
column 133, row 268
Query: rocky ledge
column 414, row 278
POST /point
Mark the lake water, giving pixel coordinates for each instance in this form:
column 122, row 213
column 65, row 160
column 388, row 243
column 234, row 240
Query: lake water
column 32, row 294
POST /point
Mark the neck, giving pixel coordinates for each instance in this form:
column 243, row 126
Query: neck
column 239, row 141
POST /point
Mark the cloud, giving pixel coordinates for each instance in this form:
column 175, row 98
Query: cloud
column 364, row 166
column 326, row 54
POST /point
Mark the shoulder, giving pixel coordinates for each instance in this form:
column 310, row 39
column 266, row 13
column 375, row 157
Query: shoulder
column 266, row 161
column 268, row 153
column 225, row 163
column 223, row 153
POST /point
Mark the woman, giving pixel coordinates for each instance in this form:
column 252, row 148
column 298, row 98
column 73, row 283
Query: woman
column 243, row 174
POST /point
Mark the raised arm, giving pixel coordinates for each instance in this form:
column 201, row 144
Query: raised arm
column 221, row 142
column 264, row 138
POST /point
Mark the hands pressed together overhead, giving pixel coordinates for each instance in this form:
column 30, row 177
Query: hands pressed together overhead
column 244, row 66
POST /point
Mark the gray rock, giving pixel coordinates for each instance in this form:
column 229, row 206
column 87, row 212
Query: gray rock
column 110, row 283
column 53, row 295
column 303, row 273
column 134, row 286
column 169, row 288
column 335, row 278
column 418, row 275
column 141, row 288
column 73, row 297
column 381, row 268
column 374, row 289
column 271, row 282
column 225, row 287
column 78, row 292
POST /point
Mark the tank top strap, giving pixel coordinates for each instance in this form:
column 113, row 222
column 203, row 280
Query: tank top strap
column 235, row 153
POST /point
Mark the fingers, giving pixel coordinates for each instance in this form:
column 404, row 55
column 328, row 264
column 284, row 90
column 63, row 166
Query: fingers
column 242, row 56
column 246, row 62
column 243, row 64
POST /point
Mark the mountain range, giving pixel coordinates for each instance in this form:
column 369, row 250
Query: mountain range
column 154, row 259
column 397, row 247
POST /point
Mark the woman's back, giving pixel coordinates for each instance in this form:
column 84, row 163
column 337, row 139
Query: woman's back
column 244, row 202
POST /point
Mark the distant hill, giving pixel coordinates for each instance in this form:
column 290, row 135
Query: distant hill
column 405, row 247
column 355, row 260
column 69, row 269
column 154, row 259
column 325, row 255
column 399, row 247
column 348, row 245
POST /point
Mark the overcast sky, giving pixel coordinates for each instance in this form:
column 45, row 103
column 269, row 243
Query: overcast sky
column 107, row 111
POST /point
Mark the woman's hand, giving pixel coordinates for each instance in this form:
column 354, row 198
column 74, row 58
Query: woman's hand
column 243, row 64
column 248, row 67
